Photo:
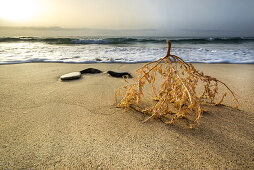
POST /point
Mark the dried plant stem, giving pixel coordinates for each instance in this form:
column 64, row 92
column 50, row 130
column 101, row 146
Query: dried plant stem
column 176, row 89
column 183, row 84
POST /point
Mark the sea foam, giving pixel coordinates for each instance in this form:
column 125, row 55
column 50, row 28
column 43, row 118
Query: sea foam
column 126, row 50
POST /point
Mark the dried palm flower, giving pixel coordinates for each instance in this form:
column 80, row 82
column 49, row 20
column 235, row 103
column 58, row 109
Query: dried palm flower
column 179, row 81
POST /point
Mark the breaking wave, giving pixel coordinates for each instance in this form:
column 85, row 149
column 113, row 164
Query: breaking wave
column 235, row 40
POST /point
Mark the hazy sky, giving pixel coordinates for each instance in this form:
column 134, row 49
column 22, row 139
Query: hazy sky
column 167, row 16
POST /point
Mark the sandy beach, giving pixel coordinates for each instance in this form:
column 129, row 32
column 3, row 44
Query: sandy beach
column 47, row 123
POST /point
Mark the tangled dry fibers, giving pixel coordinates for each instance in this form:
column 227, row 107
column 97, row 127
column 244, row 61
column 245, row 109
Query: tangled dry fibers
column 177, row 96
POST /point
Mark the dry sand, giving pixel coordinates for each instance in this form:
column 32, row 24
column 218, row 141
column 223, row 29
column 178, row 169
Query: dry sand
column 47, row 123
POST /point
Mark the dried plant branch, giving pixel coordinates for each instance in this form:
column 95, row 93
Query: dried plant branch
column 178, row 88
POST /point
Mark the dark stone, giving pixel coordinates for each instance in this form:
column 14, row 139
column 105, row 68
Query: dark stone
column 119, row 74
column 90, row 71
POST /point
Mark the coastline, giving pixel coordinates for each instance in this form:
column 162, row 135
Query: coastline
column 47, row 123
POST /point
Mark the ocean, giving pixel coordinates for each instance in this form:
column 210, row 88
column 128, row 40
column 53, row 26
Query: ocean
column 124, row 49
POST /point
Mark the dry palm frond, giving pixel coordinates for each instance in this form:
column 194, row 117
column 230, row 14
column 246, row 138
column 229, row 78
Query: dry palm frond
column 179, row 81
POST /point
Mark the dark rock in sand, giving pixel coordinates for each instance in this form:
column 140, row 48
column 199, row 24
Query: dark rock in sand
column 119, row 74
column 90, row 71
column 71, row 76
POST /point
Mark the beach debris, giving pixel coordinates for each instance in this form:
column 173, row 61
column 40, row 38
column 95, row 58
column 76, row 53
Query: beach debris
column 98, row 59
column 71, row 76
column 119, row 74
column 174, row 85
column 90, row 71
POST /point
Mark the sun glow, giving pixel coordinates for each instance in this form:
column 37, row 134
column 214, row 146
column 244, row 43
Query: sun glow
column 18, row 10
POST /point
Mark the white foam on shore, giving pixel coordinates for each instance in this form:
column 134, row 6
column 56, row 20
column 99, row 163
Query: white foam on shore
column 22, row 52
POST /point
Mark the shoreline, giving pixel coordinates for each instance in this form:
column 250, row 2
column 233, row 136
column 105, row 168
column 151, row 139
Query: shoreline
column 226, row 63
column 47, row 123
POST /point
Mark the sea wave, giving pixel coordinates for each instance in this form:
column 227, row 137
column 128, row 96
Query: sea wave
column 42, row 52
column 134, row 50
column 52, row 40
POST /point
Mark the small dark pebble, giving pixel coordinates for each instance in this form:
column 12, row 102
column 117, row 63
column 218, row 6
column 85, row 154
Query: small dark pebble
column 121, row 74
column 90, row 71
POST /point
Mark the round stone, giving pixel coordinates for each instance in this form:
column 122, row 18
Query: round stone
column 71, row 76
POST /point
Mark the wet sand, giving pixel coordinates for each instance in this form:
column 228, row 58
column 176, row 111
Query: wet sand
column 47, row 123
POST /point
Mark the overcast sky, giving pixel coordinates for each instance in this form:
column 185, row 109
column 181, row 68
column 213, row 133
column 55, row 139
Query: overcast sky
column 171, row 17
